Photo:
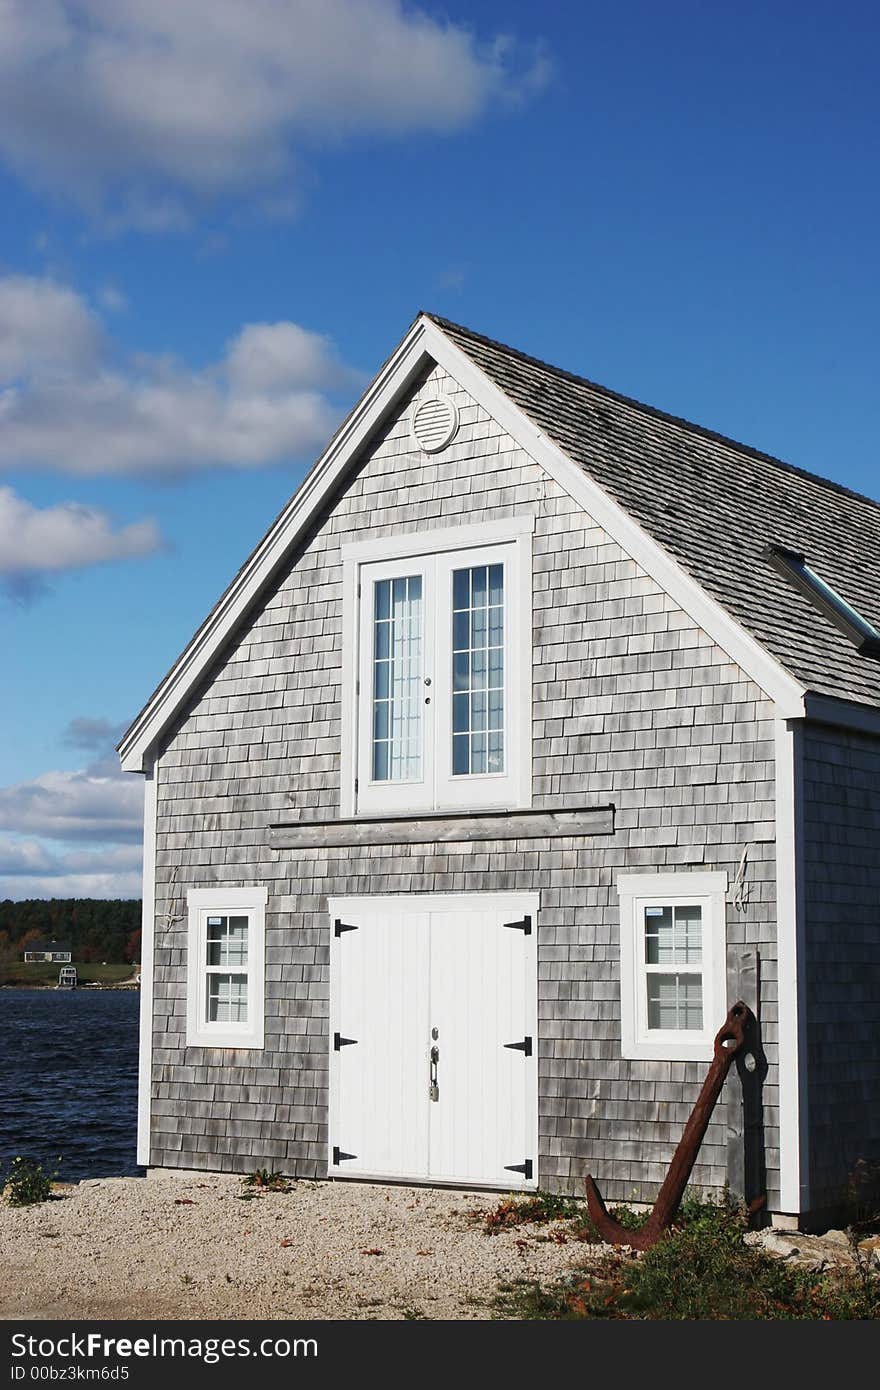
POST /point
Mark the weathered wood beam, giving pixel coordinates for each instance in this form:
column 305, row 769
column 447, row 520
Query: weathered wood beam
column 442, row 828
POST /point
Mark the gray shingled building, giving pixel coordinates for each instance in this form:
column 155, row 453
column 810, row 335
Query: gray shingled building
column 540, row 727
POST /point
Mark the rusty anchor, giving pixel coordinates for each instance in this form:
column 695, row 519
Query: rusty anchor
column 729, row 1042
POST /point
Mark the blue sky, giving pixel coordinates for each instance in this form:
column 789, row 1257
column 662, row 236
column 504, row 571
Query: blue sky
column 217, row 219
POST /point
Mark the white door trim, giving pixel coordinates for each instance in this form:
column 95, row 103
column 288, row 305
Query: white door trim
column 516, row 899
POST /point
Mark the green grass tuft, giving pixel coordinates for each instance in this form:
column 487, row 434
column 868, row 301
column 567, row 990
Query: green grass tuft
column 26, row 1183
column 264, row 1180
column 537, row 1207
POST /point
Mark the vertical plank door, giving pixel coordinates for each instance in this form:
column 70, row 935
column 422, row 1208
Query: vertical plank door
column 482, row 998
column 379, row 1072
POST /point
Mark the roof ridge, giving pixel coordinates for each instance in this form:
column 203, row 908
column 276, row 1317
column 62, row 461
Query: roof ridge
column 655, row 411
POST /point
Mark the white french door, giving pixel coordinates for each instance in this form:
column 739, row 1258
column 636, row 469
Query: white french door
column 440, row 687
column 433, row 1038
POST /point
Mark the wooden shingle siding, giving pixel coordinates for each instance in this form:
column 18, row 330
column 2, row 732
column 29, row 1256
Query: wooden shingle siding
column 842, row 927
column 633, row 705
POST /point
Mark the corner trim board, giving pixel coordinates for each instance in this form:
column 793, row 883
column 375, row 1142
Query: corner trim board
column 794, row 1174
column 148, row 929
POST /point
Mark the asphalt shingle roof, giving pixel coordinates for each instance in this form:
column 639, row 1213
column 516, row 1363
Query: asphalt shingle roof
column 715, row 504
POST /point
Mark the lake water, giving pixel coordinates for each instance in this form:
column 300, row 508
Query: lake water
column 68, row 1079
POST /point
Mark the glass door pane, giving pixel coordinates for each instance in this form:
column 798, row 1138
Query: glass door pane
column 478, row 670
column 397, row 679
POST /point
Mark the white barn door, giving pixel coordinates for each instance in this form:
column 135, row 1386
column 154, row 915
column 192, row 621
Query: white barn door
column 381, row 1010
column 433, row 1038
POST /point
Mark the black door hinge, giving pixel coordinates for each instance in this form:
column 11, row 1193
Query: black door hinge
column 525, row 1046
column 339, row 1041
column 525, row 926
column 524, row 1168
column 339, row 1156
column 339, row 927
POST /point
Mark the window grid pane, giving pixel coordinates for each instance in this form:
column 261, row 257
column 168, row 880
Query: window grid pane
column 478, row 670
column 397, row 674
column 675, row 1002
column 227, row 941
column 227, row 998
column 673, row 935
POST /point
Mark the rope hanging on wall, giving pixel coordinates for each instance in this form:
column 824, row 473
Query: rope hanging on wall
column 170, row 915
column 741, row 887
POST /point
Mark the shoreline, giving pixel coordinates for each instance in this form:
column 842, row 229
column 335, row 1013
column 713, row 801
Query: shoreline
column 125, row 984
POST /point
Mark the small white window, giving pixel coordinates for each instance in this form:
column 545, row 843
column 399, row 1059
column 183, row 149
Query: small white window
column 439, row 652
column 225, row 970
column 673, row 992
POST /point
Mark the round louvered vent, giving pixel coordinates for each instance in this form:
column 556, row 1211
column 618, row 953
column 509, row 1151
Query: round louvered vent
column 434, row 423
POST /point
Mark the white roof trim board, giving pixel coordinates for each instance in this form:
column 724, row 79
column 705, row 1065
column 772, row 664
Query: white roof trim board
column 425, row 343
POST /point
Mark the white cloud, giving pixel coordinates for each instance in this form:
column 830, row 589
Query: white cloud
column 49, row 540
column 30, row 858
column 44, row 327
column 266, row 357
column 84, row 408
column 93, row 804
column 121, row 859
column 18, row 857
column 147, row 104
column 74, row 834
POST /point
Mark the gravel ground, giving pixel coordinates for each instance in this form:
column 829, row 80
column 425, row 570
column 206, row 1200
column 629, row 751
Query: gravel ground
column 186, row 1246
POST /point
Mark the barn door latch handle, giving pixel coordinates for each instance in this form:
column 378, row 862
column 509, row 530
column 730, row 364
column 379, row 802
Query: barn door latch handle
column 433, row 1087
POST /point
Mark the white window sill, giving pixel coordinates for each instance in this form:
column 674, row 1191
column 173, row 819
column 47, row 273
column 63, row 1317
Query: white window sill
column 667, row 1050
column 224, row 1038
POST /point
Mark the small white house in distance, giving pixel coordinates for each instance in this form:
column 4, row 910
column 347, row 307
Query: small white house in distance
column 540, row 727
column 43, row 951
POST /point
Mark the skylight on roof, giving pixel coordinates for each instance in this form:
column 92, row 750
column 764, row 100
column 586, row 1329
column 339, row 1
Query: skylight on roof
column 847, row 619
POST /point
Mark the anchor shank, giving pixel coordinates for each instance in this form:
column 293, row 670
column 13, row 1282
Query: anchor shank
column 729, row 1041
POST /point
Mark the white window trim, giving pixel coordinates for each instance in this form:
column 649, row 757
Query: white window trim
column 204, row 902
column 454, row 794
column 709, row 890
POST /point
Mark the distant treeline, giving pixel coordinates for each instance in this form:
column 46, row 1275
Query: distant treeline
column 95, row 929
